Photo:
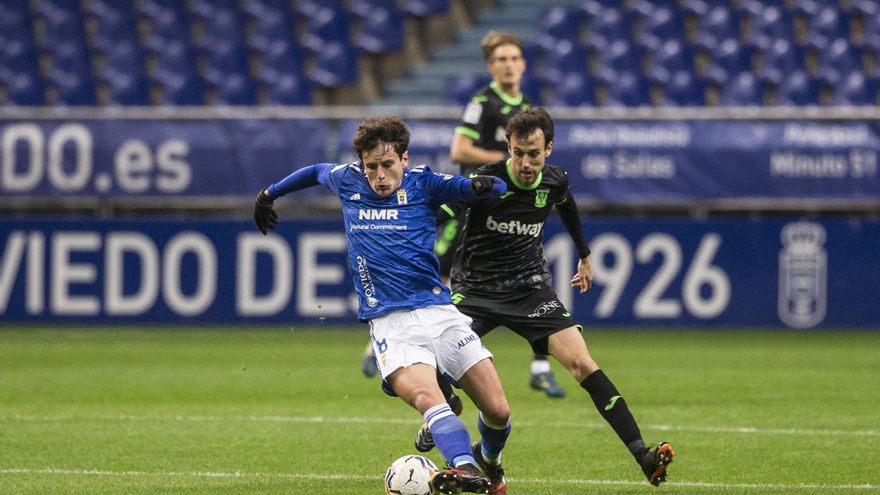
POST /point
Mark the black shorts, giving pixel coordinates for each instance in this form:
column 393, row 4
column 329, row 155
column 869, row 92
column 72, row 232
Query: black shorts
column 534, row 314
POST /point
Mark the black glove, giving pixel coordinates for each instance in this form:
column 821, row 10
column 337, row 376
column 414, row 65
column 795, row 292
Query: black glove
column 264, row 214
column 482, row 184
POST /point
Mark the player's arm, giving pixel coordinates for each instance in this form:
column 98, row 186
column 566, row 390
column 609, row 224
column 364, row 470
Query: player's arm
column 465, row 152
column 449, row 211
column 568, row 213
column 264, row 213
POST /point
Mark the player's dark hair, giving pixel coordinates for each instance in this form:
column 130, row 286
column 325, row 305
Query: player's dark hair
column 385, row 129
column 523, row 124
column 494, row 39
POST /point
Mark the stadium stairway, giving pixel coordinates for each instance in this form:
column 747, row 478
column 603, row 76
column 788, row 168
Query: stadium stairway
column 426, row 83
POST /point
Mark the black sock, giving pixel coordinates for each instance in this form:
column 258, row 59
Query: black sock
column 445, row 387
column 613, row 408
column 539, row 357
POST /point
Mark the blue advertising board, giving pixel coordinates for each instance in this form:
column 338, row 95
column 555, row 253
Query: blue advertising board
column 616, row 162
column 173, row 158
column 736, row 272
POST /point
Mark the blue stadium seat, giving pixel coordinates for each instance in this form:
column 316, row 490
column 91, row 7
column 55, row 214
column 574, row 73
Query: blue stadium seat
column 671, row 57
column 856, row 89
column 459, row 89
column 424, row 8
column 798, row 88
column 734, row 57
column 325, row 27
column 558, row 24
column 827, row 25
column 289, row 89
column 235, row 89
column 564, row 58
column 175, row 74
column 774, row 23
column 334, row 66
column 618, row 57
column 719, row 24
column 664, row 24
column 281, row 57
column 574, row 90
column 270, row 27
column 378, row 30
column 840, row 60
column 628, row 89
column 743, row 90
column 683, row 89
column 70, row 75
column 22, row 88
column 610, row 25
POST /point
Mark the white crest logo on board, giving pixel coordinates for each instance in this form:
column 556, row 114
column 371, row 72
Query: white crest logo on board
column 803, row 275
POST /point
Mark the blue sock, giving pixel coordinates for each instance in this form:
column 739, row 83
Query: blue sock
column 494, row 438
column 450, row 435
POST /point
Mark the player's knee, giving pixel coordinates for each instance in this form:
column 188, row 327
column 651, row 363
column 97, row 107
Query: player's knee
column 582, row 367
column 424, row 398
column 497, row 413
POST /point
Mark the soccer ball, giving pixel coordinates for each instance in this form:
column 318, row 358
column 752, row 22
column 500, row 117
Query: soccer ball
column 410, row 475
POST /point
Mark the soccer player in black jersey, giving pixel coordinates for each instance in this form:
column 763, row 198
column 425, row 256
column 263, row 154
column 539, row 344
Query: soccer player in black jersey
column 499, row 276
column 480, row 139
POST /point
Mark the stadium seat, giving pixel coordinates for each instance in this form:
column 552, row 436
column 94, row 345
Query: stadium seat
column 719, row 24
column 424, row 8
column 559, row 24
column 734, row 57
column 334, row 66
column 22, row 88
column 378, row 30
column 684, row 89
column 609, row 26
column 743, row 90
column 268, row 28
column 574, row 90
column 798, row 88
column 827, row 25
column 662, row 25
column 671, row 57
column 327, row 26
column 774, row 23
column 289, row 89
column 459, row 89
column 618, row 57
column 628, row 89
column 70, row 77
column 856, row 89
column 564, row 58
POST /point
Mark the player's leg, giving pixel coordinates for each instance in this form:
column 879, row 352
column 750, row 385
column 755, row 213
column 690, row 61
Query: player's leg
column 368, row 362
column 424, row 440
column 482, row 385
column 404, row 342
column 569, row 348
column 542, row 377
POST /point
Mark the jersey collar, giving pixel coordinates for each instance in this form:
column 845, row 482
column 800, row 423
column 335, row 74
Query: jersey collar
column 505, row 97
column 519, row 184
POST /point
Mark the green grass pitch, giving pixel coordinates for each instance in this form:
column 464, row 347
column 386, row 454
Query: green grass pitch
column 286, row 411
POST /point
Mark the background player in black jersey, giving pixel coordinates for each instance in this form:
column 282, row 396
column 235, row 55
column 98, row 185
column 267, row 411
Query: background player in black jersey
column 499, row 276
column 480, row 139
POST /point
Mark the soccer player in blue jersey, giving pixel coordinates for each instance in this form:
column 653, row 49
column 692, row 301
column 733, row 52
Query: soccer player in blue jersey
column 415, row 330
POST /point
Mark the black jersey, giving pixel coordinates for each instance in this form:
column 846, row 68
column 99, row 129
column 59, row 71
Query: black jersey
column 485, row 117
column 501, row 246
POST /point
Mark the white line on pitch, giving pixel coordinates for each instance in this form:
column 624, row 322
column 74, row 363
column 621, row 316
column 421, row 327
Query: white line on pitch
column 401, row 421
column 311, row 476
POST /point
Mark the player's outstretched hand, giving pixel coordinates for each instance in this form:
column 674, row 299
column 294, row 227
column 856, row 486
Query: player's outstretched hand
column 482, row 184
column 583, row 279
column 264, row 214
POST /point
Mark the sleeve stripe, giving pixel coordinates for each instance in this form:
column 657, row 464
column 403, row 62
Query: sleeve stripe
column 448, row 210
column 467, row 132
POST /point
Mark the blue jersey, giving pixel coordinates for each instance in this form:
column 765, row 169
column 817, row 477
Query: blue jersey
column 391, row 240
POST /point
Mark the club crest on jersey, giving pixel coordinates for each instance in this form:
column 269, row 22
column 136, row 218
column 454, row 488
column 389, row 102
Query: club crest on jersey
column 541, row 197
column 401, row 196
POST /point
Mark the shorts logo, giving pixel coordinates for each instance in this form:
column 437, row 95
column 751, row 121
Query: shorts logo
column 545, row 309
column 467, row 340
column 457, row 297
column 541, row 197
